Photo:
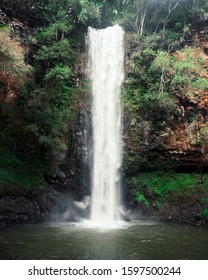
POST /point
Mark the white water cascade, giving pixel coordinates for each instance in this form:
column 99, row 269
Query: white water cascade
column 106, row 58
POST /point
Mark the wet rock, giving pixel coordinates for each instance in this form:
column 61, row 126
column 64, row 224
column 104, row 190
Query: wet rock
column 16, row 209
column 72, row 172
column 133, row 122
column 61, row 175
column 60, row 157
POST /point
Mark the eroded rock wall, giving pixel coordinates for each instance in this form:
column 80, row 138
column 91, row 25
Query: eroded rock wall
column 178, row 139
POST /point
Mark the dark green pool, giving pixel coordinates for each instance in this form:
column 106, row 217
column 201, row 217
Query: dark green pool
column 141, row 240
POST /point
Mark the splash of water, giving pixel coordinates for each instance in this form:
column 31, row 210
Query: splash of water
column 106, row 56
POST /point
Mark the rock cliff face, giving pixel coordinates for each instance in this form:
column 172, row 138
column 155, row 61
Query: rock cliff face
column 69, row 179
column 67, row 186
column 181, row 140
column 51, row 204
column 15, row 209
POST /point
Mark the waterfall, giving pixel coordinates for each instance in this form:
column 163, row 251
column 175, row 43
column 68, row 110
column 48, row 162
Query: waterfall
column 106, row 56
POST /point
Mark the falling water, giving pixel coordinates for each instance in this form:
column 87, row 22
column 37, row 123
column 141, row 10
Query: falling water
column 106, row 55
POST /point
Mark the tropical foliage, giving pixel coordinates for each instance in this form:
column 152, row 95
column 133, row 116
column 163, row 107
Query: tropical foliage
column 37, row 100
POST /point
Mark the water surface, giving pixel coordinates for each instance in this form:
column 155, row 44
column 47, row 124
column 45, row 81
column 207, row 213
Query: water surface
column 141, row 240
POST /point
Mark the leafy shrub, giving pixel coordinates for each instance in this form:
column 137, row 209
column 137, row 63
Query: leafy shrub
column 204, row 214
column 178, row 26
column 165, row 183
column 205, row 184
column 141, row 199
column 24, row 175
